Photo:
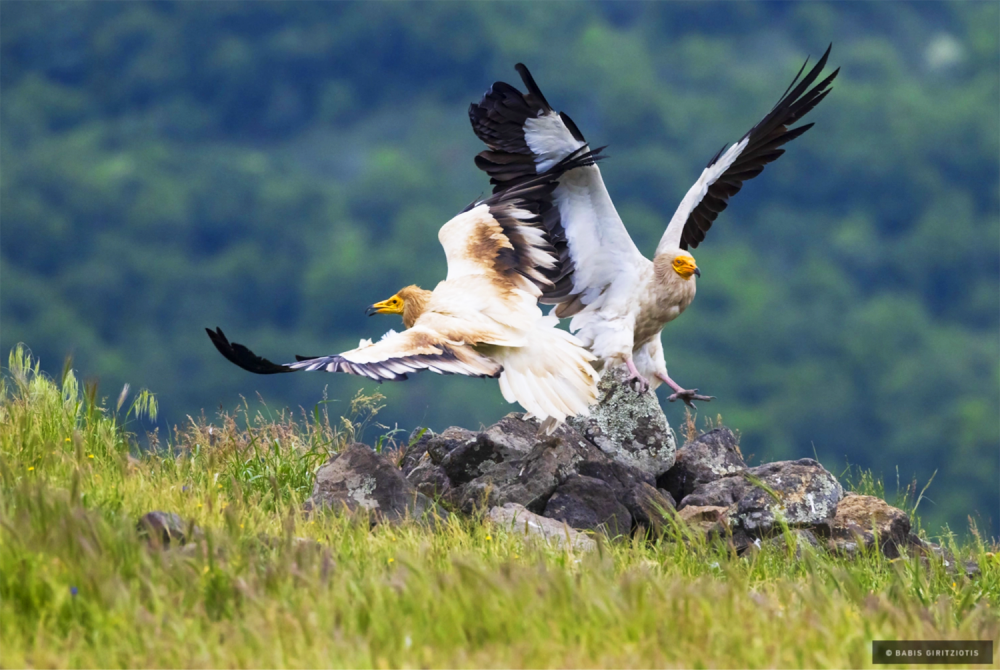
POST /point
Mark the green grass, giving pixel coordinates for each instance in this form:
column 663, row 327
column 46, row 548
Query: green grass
column 267, row 586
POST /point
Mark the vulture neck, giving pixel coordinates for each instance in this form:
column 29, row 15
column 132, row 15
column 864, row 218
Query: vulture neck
column 415, row 301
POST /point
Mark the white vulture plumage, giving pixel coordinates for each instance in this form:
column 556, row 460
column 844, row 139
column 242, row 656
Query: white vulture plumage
column 483, row 320
column 619, row 300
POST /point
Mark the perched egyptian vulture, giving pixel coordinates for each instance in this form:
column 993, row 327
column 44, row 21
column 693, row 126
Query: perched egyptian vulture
column 483, row 320
column 619, row 301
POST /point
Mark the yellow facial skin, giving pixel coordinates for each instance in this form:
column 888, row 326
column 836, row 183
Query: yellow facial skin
column 393, row 305
column 685, row 267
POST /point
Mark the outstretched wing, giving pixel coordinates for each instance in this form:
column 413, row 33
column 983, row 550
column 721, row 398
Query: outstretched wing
column 505, row 239
column 390, row 359
column 526, row 137
column 726, row 172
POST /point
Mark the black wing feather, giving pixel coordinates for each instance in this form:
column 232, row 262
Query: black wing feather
column 762, row 148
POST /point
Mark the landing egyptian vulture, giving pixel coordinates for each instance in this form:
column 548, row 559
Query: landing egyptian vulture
column 483, row 320
column 619, row 300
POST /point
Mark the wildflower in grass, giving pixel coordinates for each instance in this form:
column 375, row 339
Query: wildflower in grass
column 73, row 591
column 205, row 571
column 392, row 560
column 31, row 468
column 68, row 440
column 489, row 538
column 184, row 488
column 90, row 455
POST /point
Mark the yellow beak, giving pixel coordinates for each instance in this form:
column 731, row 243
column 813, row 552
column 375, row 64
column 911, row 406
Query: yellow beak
column 386, row 307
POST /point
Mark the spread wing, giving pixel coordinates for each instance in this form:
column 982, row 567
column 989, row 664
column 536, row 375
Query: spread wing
column 390, row 359
column 726, row 172
column 526, row 137
column 507, row 238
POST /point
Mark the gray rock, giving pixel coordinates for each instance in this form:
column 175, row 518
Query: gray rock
column 163, row 528
column 722, row 492
column 586, row 502
column 648, row 506
column 713, row 455
column 862, row 520
column 439, row 446
column 801, row 492
column 528, row 481
column 415, row 449
column 428, row 478
column 629, row 427
column 359, row 479
column 517, row 519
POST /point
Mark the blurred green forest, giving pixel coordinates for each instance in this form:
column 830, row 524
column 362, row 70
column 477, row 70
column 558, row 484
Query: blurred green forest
column 273, row 168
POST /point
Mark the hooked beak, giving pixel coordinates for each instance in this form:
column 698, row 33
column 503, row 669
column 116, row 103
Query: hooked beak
column 697, row 272
column 384, row 307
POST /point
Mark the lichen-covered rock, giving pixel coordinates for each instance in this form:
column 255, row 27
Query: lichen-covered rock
column 586, row 502
column 629, row 427
column 517, row 519
column 359, row 479
column 862, row 519
column 711, row 456
column 801, row 493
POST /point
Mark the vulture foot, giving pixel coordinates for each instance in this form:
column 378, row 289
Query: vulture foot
column 687, row 395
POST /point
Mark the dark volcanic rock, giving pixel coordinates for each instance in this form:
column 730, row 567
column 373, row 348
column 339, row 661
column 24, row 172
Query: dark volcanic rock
column 430, row 479
column 648, row 505
column 713, row 455
column 528, row 481
column 358, row 478
column 586, row 502
column 415, row 449
column 163, row 527
column 629, row 427
column 722, row 492
column 860, row 519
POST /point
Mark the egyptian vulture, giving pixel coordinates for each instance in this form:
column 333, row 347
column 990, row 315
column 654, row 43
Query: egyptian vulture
column 619, row 301
column 483, row 320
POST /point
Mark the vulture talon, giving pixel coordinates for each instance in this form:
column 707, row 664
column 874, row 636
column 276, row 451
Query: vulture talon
column 687, row 395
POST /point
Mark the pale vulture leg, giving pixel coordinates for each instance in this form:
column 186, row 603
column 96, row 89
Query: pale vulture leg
column 643, row 385
column 687, row 395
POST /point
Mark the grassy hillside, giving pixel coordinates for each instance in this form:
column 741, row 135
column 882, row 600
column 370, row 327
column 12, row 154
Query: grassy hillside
column 265, row 586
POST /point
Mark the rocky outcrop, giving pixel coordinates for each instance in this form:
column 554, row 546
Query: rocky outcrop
column 629, row 427
column 711, row 456
column 359, row 479
column 612, row 473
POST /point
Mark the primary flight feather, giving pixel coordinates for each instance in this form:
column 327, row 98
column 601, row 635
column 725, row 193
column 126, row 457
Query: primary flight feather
column 619, row 300
column 483, row 320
